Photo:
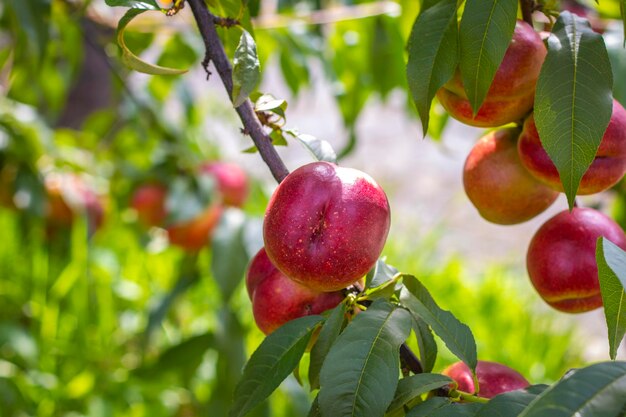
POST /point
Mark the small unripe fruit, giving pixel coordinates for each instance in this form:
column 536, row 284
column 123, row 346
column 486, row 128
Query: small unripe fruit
column 493, row 378
column 325, row 226
column 561, row 258
column 497, row 183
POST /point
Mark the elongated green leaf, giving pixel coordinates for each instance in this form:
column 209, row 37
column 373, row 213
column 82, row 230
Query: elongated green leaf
column 611, row 262
column 360, row 373
column 573, row 102
column 314, row 411
column 457, row 410
column 246, row 69
column 272, row 362
column 433, row 55
column 411, row 387
column 319, row 148
column 456, row 335
column 622, row 10
column 426, row 343
column 485, row 33
column 509, row 404
column 596, row 391
column 137, row 4
column 34, row 19
column 133, row 61
column 426, row 408
column 230, row 258
column 329, row 333
column 380, row 274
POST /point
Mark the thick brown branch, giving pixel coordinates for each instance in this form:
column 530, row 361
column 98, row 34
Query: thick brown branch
column 215, row 52
column 527, row 7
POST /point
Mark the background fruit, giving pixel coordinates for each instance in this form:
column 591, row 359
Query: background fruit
column 149, row 202
column 606, row 170
column 231, row 181
column 277, row 299
column 493, row 378
column 325, row 226
column 194, row 234
column 498, row 185
column 561, row 258
column 512, row 92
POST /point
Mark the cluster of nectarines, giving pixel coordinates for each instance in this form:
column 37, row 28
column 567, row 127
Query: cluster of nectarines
column 324, row 229
column 150, row 202
column 509, row 177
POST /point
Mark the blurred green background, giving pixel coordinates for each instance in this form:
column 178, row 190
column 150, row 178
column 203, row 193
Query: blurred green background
column 119, row 323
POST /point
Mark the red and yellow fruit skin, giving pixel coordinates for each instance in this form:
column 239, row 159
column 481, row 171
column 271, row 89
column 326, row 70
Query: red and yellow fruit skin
column 512, row 92
column 493, row 378
column 608, row 167
column 194, row 234
column 149, row 202
column 232, row 182
column 498, row 185
column 276, row 299
column 325, row 226
column 561, row 258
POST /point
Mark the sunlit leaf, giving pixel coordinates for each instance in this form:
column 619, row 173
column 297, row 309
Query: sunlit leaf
column 246, row 69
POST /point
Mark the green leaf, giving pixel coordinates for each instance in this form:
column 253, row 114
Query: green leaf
column 428, row 407
column 380, row 274
column 426, row 343
column 133, row 61
column 246, row 69
column 509, row 404
column 595, row 391
column 319, row 148
column 329, row 333
column 360, row 373
column 573, row 102
column 611, row 262
column 315, row 408
column 272, row 362
column 622, row 11
column 433, row 55
column 457, row 410
column 485, row 33
column 230, row 257
column 456, row 335
column 136, row 4
column 34, row 19
column 269, row 103
column 411, row 387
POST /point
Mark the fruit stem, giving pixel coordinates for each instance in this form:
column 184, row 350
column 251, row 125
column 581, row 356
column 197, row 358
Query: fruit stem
column 467, row 397
column 214, row 51
column 527, row 7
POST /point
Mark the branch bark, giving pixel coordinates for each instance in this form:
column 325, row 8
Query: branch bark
column 527, row 7
column 215, row 52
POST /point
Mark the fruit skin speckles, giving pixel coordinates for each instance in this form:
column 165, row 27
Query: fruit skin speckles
column 325, row 226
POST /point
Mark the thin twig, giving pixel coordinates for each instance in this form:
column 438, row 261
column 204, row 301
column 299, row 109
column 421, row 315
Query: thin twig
column 215, row 52
column 527, row 7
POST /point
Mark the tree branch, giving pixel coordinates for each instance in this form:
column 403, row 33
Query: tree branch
column 527, row 6
column 215, row 52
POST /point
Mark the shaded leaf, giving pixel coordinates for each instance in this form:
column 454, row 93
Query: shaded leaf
column 485, row 33
column 246, row 69
column 133, row 61
column 573, row 101
column 272, row 362
column 411, row 387
column 595, row 391
column 329, row 333
column 433, row 55
column 34, row 19
column 428, row 407
column 381, row 273
column 456, row 335
column 230, row 257
column 360, row 373
column 426, row 343
column 509, row 404
column 611, row 262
